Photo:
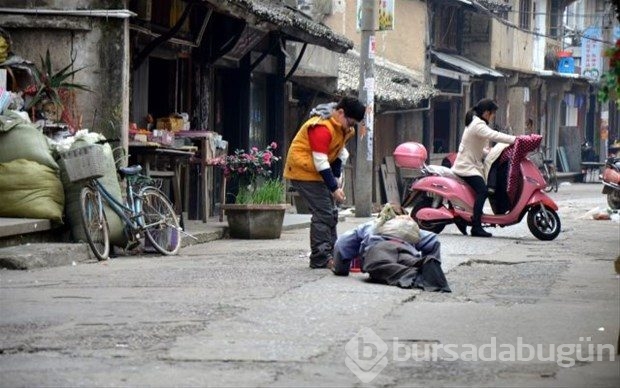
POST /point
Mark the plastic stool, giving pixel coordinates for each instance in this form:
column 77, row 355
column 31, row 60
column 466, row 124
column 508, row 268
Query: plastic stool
column 356, row 265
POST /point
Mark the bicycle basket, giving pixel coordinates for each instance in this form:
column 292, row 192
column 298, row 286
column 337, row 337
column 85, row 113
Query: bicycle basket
column 84, row 163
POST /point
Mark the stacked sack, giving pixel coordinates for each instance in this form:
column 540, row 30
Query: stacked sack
column 30, row 186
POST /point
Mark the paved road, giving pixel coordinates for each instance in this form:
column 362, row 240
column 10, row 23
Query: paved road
column 250, row 313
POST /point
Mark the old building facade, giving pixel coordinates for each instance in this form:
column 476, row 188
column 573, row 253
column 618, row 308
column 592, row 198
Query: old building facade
column 252, row 70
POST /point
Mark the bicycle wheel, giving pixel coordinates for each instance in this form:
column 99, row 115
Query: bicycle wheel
column 95, row 223
column 160, row 222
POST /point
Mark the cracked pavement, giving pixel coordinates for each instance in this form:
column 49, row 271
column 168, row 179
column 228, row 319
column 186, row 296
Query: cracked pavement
column 250, row 313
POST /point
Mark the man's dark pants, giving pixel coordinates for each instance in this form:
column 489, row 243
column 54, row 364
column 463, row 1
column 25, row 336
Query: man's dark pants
column 324, row 219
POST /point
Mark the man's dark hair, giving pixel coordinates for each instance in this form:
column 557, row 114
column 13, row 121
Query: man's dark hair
column 352, row 108
column 486, row 104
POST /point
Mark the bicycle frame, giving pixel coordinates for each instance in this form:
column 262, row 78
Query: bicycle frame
column 131, row 212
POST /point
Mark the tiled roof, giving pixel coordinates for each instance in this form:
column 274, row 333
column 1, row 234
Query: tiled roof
column 495, row 5
column 395, row 86
column 290, row 21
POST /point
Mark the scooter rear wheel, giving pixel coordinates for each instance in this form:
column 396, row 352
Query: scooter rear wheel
column 421, row 201
column 544, row 223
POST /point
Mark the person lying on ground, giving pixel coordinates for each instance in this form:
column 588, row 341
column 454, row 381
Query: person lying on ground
column 394, row 251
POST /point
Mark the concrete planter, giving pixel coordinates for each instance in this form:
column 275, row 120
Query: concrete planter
column 255, row 221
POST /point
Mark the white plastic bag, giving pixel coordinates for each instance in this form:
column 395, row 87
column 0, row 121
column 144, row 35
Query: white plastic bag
column 401, row 227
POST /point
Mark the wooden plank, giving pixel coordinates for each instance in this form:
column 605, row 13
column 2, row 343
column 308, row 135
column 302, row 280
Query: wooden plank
column 563, row 159
column 392, row 170
column 378, row 184
column 390, row 185
column 390, row 165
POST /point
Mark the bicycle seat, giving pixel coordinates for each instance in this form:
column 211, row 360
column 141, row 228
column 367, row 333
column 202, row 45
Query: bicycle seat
column 131, row 170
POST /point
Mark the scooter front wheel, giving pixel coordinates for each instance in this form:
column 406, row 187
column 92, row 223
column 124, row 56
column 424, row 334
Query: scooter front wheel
column 544, row 223
column 419, row 202
column 613, row 199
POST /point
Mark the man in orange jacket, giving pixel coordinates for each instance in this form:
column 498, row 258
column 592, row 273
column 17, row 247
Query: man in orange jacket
column 314, row 166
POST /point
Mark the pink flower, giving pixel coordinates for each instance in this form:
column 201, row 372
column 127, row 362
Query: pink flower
column 248, row 165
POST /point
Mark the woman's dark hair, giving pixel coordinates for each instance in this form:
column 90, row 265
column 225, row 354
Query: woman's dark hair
column 486, row 104
column 352, row 108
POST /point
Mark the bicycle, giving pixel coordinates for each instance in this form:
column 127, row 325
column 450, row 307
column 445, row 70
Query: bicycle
column 144, row 211
column 547, row 169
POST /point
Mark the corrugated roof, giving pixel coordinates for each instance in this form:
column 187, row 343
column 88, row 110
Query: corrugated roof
column 467, row 65
column 290, row 21
column 395, row 85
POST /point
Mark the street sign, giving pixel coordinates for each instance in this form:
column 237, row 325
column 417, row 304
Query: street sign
column 384, row 15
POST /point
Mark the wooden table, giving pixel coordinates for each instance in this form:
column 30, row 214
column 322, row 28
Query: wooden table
column 206, row 152
column 162, row 162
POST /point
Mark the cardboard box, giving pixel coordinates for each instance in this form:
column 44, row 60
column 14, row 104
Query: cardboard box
column 170, row 123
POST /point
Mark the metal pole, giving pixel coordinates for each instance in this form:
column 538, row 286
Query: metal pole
column 364, row 155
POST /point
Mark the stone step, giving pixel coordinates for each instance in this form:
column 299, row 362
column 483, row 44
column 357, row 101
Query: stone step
column 19, row 231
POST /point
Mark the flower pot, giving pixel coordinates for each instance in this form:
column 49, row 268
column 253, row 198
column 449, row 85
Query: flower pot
column 255, row 221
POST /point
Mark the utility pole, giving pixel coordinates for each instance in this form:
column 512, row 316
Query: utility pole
column 366, row 92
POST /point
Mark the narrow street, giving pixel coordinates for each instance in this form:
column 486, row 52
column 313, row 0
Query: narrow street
column 249, row 313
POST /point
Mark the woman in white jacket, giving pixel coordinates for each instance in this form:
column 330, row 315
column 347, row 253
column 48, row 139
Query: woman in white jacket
column 469, row 160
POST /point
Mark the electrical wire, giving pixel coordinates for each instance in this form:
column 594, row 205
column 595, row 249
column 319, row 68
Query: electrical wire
column 505, row 22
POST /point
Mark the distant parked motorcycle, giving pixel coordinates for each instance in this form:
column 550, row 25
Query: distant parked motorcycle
column 611, row 182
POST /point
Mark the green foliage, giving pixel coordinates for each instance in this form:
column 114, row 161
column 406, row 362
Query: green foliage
column 610, row 80
column 269, row 193
column 49, row 84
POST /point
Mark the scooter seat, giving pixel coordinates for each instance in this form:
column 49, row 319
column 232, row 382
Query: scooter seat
column 442, row 171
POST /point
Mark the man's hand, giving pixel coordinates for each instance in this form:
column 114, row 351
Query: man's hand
column 339, row 195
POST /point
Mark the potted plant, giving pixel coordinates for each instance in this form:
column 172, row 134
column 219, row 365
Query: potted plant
column 53, row 93
column 258, row 211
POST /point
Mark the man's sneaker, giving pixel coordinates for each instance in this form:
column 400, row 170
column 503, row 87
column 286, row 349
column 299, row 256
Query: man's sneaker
column 341, row 268
column 329, row 264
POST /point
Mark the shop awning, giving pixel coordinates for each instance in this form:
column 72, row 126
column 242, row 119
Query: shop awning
column 274, row 15
column 485, row 5
column 456, row 2
column 466, row 65
column 396, row 86
column 559, row 75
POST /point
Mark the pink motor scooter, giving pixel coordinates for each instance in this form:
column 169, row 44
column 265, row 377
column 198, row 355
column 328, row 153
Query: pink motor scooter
column 611, row 182
column 438, row 197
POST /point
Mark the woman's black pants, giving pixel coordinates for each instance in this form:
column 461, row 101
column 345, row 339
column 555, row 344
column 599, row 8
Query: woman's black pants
column 480, row 187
